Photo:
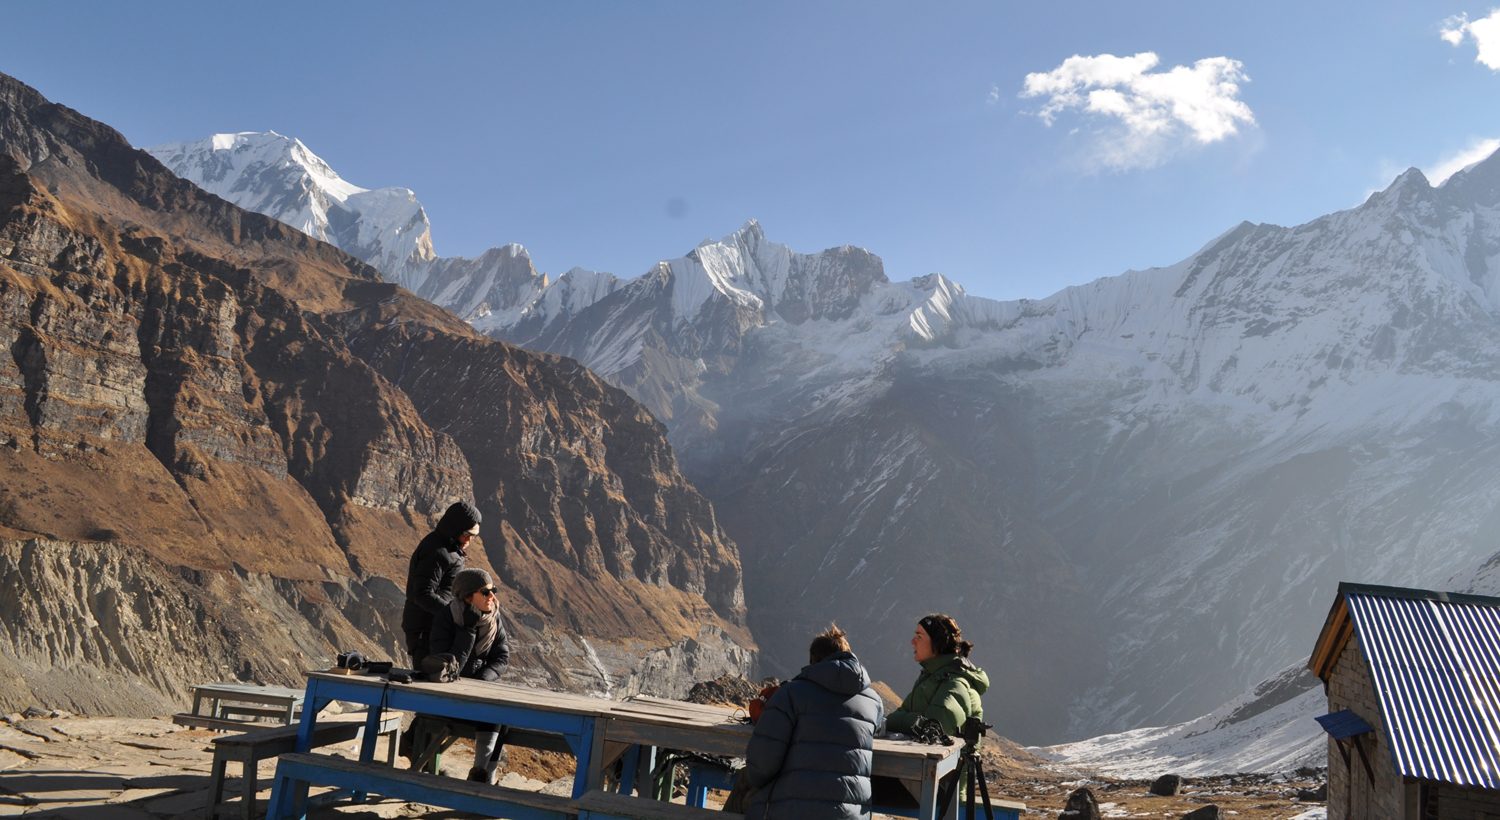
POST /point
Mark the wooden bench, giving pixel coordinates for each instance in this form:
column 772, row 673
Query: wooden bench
column 217, row 724
column 250, row 748
column 602, row 805
column 416, row 787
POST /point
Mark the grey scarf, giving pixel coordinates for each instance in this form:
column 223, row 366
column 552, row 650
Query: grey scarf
column 485, row 632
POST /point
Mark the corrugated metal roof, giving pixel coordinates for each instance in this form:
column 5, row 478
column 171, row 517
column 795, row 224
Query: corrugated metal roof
column 1436, row 663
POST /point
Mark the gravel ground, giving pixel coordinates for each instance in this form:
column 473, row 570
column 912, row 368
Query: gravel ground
column 64, row 766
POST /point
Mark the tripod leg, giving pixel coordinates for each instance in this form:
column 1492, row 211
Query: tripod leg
column 969, row 792
column 984, row 791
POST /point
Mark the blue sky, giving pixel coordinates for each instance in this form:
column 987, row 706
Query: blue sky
column 609, row 135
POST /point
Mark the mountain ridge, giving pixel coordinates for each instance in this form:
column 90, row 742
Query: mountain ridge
column 1163, row 471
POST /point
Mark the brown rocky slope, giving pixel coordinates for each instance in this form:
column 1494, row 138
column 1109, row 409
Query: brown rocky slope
column 220, row 439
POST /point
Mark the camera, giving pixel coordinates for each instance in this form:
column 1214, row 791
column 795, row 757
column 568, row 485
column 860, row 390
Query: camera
column 353, row 661
column 972, row 730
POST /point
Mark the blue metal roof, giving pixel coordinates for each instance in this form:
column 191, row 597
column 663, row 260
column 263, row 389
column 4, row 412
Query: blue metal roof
column 1435, row 659
column 1342, row 724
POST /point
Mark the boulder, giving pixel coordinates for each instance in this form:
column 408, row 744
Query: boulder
column 734, row 690
column 1168, row 785
column 1209, row 812
column 1317, row 795
column 1081, row 805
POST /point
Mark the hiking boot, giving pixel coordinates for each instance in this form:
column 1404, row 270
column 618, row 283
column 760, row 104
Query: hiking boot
column 479, row 775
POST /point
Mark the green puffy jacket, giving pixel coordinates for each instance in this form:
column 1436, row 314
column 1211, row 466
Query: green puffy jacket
column 947, row 691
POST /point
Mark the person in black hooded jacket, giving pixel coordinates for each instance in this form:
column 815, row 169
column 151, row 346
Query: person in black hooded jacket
column 812, row 750
column 429, row 576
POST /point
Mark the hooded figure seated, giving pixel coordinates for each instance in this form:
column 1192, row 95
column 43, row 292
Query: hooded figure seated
column 470, row 630
column 812, row 750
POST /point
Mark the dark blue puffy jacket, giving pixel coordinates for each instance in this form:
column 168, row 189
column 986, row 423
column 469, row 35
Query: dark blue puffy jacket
column 810, row 755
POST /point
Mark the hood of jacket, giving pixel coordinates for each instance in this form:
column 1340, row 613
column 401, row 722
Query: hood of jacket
column 961, row 667
column 458, row 517
column 841, row 674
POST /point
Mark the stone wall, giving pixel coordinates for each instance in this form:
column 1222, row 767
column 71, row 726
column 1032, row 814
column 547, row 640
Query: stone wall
column 1351, row 795
column 1459, row 803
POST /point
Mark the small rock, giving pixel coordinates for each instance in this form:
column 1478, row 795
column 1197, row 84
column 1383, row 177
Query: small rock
column 1168, row 785
column 33, row 713
column 13, row 717
column 1081, row 805
column 59, row 714
column 1209, row 812
column 1318, row 795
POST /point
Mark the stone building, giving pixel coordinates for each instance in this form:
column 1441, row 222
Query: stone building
column 1413, row 684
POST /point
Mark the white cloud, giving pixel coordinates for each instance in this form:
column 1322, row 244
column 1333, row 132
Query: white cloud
column 1150, row 114
column 1477, row 151
column 1486, row 34
column 994, row 95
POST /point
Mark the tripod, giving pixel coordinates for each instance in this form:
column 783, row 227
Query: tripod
column 972, row 768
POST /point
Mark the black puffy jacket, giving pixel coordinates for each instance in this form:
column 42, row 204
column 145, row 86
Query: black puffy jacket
column 810, row 754
column 433, row 566
column 451, row 634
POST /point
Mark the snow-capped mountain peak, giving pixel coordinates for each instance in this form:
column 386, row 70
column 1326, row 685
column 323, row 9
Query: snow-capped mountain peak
column 279, row 176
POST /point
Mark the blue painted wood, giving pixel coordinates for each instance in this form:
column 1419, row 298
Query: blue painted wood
column 702, row 778
column 576, row 729
column 1342, row 724
column 424, row 790
column 629, row 763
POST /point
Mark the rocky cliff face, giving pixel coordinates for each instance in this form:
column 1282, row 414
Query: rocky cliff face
column 204, row 396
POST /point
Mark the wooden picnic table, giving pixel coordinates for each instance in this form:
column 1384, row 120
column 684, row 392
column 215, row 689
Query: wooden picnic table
column 599, row 733
column 643, row 724
column 573, row 717
column 231, row 706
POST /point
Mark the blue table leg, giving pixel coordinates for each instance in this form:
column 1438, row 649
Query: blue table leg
column 367, row 743
column 582, row 741
column 697, row 795
column 288, row 797
column 628, row 765
column 311, row 706
column 371, row 735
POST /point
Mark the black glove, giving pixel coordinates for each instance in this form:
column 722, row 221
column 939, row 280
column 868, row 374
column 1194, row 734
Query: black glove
column 471, row 617
column 489, row 673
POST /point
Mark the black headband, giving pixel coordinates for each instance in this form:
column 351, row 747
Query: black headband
column 937, row 630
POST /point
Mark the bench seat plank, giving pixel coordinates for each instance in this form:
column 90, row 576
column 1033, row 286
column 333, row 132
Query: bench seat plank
column 479, row 798
column 193, row 721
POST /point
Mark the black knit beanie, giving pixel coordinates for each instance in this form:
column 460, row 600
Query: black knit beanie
column 468, row 582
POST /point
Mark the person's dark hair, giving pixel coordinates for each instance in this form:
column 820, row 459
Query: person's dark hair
column 830, row 642
column 947, row 638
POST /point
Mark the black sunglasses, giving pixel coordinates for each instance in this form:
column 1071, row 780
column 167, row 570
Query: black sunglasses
column 489, row 592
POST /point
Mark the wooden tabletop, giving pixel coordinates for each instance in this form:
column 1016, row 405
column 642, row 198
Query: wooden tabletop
column 248, row 691
column 643, row 718
column 479, row 691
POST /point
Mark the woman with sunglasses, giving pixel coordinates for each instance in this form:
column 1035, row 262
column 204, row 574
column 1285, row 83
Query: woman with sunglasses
column 471, row 630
